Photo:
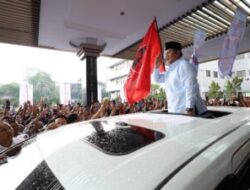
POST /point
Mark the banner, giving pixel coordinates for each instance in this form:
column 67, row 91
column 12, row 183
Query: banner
column 231, row 43
column 199, row 39
column 25, row 93
column 137, row 85
column 65, row 93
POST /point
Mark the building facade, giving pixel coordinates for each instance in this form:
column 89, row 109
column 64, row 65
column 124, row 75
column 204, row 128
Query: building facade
column 207, row 73
column 117, row 73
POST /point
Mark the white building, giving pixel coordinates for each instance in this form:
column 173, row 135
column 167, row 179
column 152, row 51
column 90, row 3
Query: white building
column 207, row 73
column 117, row 73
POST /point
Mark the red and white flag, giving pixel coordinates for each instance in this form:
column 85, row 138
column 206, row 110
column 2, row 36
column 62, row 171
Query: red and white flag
column 137, row 85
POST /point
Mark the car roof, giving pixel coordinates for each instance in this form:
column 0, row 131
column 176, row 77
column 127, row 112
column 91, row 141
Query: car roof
column 79, row 165
column 70, row 157
column 224, row 158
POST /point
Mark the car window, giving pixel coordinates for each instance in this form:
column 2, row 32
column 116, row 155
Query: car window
column 240, row 156
column 244, row 175
column 209, row 114
column 229, row 183
column 239, row 181
column 41, row 178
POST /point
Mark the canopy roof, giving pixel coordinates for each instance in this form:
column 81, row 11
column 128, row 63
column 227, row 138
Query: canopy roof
column 118, row 24
column 19, row 22
column 212, row 17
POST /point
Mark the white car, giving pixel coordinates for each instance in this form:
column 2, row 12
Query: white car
column 153, row 150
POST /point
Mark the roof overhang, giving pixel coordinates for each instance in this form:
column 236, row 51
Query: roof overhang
column 213, row 17
column 120, row 25
column 19, row 22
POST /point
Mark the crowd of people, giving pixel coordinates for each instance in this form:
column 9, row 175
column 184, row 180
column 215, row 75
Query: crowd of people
column 29, row 120
column 232, row 101
column 182, row 89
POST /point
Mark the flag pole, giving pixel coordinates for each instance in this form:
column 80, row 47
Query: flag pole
column 162, row 57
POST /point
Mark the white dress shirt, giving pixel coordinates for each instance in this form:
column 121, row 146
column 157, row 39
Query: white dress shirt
column 181, row 86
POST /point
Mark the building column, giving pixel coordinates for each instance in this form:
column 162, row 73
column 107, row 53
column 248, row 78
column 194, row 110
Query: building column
column 90, row 52
column 91, row 79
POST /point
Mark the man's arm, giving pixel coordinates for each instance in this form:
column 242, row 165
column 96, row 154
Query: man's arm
column 158, row 77
column 188, row 76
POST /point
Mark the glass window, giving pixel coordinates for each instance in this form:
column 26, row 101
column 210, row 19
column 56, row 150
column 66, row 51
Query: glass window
column 229, row 183
column 210, row 114
column 244, row 175
column 208, row 73
column 241, row 73
column 121, row 81
column 215, row 74
column 239, row 181
column 41, row 178
column 241, row 56
column 120, row 138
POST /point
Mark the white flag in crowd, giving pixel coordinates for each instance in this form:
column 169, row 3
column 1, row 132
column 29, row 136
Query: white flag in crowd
column 65, row 93
column 25, row 93
column 231, row 43
column 199, row 39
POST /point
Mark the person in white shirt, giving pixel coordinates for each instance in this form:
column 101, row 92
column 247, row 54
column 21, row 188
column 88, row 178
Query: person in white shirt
column 181, row 86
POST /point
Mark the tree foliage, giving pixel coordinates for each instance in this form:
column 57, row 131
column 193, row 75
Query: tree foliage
column 214, row 90
column 157, row 92
column 233, row 86
column 229, row 89
column 9, row 91
column 237, row 81
column 44, row 86
column 76, row 93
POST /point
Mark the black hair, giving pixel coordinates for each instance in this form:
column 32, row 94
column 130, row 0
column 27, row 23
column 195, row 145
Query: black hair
column 71, row 118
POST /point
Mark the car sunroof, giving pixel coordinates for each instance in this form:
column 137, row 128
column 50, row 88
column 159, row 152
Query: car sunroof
column 209, row 114
column 120, row 138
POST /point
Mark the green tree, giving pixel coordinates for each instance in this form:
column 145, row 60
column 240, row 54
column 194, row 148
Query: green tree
column 76, row 92
column 105, row 93
column 214, row 90
column 237, row 81
column 229, row 89
column 9, row 91
column 232, row 87
column 44, row 86
column 157, row 92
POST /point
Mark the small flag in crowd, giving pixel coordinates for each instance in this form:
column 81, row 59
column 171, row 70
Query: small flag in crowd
column 199, row 39
column 231, row 43
column 137, row 85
